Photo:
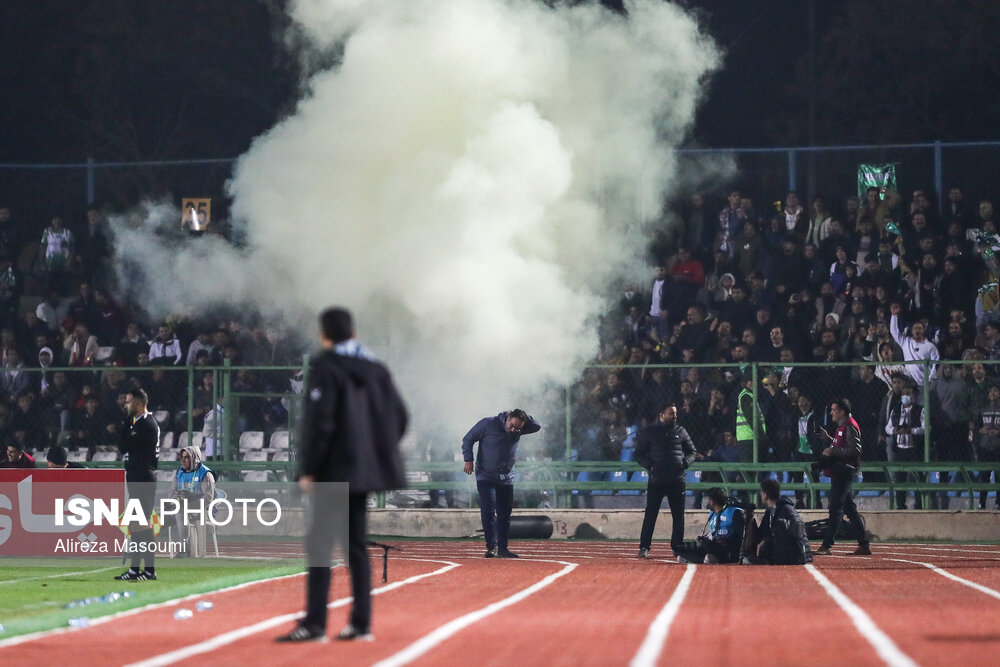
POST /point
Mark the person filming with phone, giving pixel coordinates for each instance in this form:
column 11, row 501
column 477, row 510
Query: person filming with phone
column 841, row 461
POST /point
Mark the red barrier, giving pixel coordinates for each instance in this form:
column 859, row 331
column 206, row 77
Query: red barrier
column 31, row 525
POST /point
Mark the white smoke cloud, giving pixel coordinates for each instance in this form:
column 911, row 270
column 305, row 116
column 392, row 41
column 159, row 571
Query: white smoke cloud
column 469, row 180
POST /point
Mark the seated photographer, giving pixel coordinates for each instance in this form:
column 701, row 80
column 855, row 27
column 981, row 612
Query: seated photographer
column 723, row 535
column 782, row 535
column 195, row 482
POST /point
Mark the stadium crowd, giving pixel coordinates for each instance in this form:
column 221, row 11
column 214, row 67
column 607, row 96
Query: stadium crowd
column 68, row 361
column 883, row 279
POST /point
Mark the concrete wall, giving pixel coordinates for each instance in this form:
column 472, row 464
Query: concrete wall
column 954, row 525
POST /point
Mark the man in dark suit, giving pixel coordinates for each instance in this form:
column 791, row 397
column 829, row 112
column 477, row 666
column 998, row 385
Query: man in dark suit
column 354, row 419
column 664, row 448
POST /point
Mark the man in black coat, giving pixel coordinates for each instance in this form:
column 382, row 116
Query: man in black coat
column 664, row 448
column 354, row 419
column 140, row 449
column 782, row 534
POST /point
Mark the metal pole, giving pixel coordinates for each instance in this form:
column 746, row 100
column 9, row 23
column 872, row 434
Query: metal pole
column 569, row 440
column 938, row 178
column 91, row 182
column 792, row 176
column 756, row 411
column 190, row 405
column 215, row 403
column 228, row 411
column 926, row 410
column 811, row 68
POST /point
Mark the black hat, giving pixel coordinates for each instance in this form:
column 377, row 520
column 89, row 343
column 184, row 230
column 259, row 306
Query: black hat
column 56, row 455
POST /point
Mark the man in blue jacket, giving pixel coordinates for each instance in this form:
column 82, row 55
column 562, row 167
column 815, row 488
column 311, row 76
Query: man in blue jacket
column 494, row 467
column 723, row 535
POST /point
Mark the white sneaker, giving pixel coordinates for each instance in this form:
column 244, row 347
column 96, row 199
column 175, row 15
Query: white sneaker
column 351, row 633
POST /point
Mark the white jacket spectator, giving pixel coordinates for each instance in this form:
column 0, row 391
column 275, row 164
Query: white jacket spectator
column 165, row 349
column 202, row 342
column 916, row 347
column 52, row 311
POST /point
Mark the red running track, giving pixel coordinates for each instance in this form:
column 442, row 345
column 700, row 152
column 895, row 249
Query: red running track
column 571, row 603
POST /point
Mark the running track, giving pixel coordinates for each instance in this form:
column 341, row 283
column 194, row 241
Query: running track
column 572, row 603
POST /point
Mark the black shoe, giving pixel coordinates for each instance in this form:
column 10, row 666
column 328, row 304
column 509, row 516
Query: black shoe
column 506, row 553
column 491, row 552
column 130, row 575
column 303, row 633
column 146, row 575
column 643, row 553
column 351, row 633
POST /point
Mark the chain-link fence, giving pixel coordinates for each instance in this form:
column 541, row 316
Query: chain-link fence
column 766, row 174
column 243, row 419
column 36, row 192
column 952, row 416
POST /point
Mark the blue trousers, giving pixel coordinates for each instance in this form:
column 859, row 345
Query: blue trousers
column 495, row 504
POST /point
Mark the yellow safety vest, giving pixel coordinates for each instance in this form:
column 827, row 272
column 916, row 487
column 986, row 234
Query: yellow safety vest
column 744, row 424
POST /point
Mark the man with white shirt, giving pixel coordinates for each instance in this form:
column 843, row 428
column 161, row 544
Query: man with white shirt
column 916, row 347
column 905, row 430
column 657, row 312
column 659, row 281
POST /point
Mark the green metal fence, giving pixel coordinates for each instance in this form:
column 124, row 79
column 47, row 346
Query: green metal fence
column 253, row 415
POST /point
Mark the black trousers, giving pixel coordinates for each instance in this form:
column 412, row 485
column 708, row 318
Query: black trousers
column 146, row 493
column 319, row 539
column 673, row 491
column 901, row 456
column 988, row 456
column 496, row 502
column 841, row 500
column 696, row 553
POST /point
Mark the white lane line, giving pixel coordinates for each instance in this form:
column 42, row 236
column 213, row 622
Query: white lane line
column 944, row 573
column 267, row 624
column 449, row 629
column 62, row 574
column 656, row 636
column 21, row 639
column 884, row 646
column 882, row 552
column 958, row 549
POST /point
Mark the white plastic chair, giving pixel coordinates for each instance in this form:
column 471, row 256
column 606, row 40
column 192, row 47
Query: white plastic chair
column 251, row 440
column 166, row 440
column 279, row 441
column 196, row 439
